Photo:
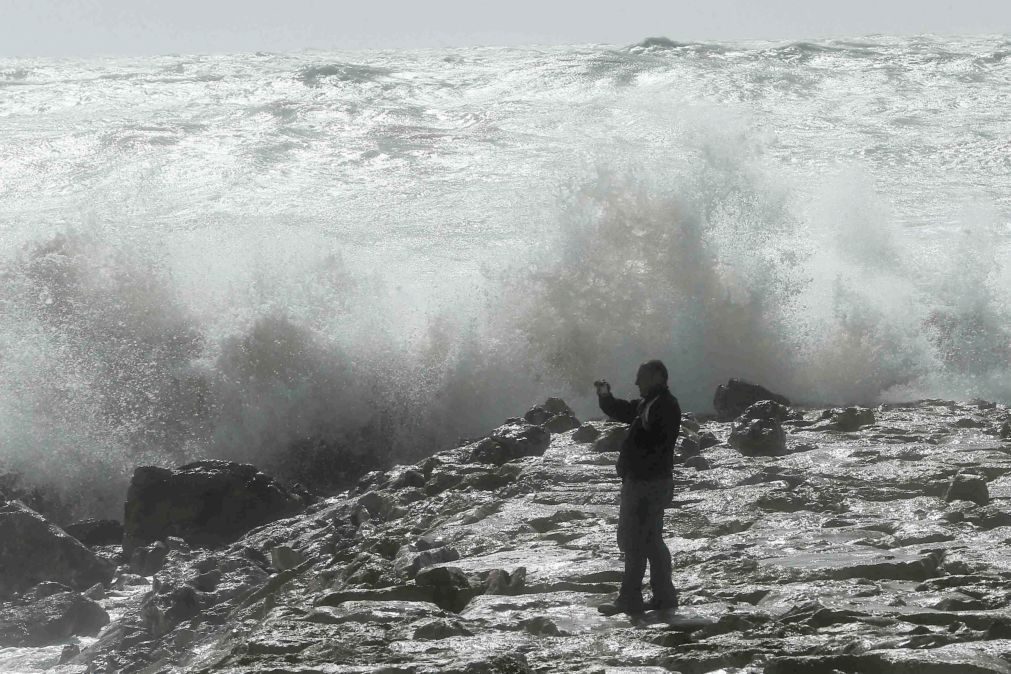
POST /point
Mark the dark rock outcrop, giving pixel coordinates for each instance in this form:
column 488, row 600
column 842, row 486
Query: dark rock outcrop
column 552, row 415
column 847, row 420
column 759, row 430
column 968, row 488
column 206, row 503
column 510, row 442
column 96, row 532
column 49, row 619
column 33, row 550
column 736, row 395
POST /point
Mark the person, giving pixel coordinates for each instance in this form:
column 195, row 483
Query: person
column 645, row 466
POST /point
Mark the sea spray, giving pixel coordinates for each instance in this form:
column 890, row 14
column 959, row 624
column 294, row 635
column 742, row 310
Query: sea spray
column 323, row 262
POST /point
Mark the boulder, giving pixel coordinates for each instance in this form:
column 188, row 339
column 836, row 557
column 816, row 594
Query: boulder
column 737, row 395
column 967, row 488
column 698, row 463
column 409, row 560
column 33, row 550
column 511, row 441
column 707, row 440
column 586, row 433
column 50, row 619
column 560, row 423
column 611, row 439
column 1005, row 431
column 759, row 431
column 96, row 532
column 848, row 420
column 553, row 415
column 206, row 503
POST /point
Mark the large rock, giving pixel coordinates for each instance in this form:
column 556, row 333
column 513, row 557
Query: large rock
column 50, row 619
column 97, row 532
column 759, row 430
column 968, row 488
column 736, row 395
column 848, row 420
column 33, row 550
column 207, row 503
column 552, row 415
column 511, row 441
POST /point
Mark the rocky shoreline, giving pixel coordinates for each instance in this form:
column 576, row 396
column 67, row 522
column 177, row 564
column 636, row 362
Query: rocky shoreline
column 804, row 540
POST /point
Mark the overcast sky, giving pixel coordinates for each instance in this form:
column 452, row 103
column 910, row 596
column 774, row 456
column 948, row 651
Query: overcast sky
column 89, row 27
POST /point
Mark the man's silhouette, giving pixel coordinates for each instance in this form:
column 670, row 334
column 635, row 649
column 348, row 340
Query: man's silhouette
column 645, row 466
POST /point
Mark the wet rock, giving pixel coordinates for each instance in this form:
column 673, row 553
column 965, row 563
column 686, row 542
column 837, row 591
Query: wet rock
column 734, row 397
column 206, row 503
column 586, row 433
column 848, row 420
column 967, row 488
column 147, row 560
column 50, row 619
column 707, row 440
column 510, row 442
column 503, row 582
column 560, row 423
column 451, row 589
column 610, row 439
column 283, row 558
column 698, row 463
column 409, row 560
column 408, row 478
column 1005, row 431
column 759, row 431
column 440, row 628
column 551, row 407
column 96, row 532
column 33, row 550
column 379, row 505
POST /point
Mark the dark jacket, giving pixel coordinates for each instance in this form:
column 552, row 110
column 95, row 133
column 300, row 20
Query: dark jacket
column 655, row 421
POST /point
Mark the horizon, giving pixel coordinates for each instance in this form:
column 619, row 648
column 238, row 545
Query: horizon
column 110, row 28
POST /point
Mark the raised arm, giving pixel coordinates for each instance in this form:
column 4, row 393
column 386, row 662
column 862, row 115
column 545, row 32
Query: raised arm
column 618, row 409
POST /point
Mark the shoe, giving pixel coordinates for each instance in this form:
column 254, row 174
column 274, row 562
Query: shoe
column 620, row 606
column 655, row 604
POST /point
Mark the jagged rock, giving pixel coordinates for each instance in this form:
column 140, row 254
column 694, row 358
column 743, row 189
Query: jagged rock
column 149, row 559
column 409, row 560
column 707, row 440
column 560, row 423
column 501, row 581
column 379, row 505
column 1005, row 431
column 586, row 433
column 96, row 532
column 282, row 558
column 967, row 488
column 688, row 443
column 450, row 588
column 737, row 395
column 553, row 415
column 33, row 550
column 758, row 430
column 848, row 420
column 509, row 442
column 610, row 439
column 698, row 463
column 206, row 503
column 50, row 619
column 440, row 628
column 408, row 478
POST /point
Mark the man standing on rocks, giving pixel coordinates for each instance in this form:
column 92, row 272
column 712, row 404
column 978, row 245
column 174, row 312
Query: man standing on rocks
column 645, row 466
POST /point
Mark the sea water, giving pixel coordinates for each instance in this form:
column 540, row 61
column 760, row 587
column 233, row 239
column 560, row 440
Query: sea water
column 223, row 255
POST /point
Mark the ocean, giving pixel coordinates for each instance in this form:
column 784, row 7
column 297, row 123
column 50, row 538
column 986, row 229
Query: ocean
column 379, row 252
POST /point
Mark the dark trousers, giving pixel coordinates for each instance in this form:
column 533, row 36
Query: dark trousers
column 640, row 537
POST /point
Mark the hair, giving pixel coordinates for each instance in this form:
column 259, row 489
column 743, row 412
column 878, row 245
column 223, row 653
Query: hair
column 656, row 366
